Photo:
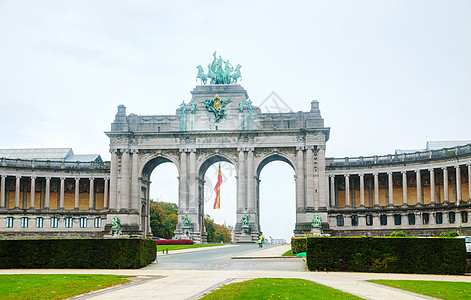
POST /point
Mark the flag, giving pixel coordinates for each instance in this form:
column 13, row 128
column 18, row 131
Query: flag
column 217, row 189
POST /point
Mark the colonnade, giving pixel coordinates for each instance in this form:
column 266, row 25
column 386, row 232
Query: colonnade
column 45, row 193
column 374, row 195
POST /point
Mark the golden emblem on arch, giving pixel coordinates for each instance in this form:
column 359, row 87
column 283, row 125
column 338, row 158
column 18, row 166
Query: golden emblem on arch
column 217, row 104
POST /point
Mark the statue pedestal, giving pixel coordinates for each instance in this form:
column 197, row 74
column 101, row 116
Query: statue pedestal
column 245, row 235
column 316, row 231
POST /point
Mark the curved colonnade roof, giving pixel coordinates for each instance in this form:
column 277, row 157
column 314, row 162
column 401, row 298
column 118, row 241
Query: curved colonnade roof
column 51, row 154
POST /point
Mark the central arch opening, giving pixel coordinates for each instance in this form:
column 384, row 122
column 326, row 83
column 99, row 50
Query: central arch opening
column 226, row 214
column 277, row 199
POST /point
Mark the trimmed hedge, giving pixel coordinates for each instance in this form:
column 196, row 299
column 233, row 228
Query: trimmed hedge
column 387, row 255
column 174, row 242
column 298, row 244
column 77, row 253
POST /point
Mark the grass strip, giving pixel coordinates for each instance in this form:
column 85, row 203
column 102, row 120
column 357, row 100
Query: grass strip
column 438, row 289
column 277, row 288
column 179, row 247
column 289, row 253
column 54, row 286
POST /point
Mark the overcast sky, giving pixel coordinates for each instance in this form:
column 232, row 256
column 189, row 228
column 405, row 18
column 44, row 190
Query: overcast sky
column 387, row 74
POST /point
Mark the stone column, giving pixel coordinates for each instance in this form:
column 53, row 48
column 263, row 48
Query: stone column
column 193, row 188
column 241, row 183
column 106, row 197
column 135, row 199
column 17, row 192
column 458, row 184
column 2, row 191
column 182, row 190
column 362, row 190
column 376, row 187
column 332, row 190
column 445, row 185
column 114, row 180
column 300, row 200
column 125, row 184
column 322, row 194
column 250, row 180
column 419, row 187
column 404, row 188
column 347, row 190
column 61, row 193
column 390, row 189
column 48, row 192
column 91, row 201
column 77, row 193
column 33, row 191
column 469, row 181
column 432, row 186
column 309, row 177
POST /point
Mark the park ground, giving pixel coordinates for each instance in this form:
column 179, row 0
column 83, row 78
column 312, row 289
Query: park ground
column 161, row 281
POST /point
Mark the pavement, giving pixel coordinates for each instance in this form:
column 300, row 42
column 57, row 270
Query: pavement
column 192, row 284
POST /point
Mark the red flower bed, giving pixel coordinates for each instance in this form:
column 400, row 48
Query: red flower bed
column 174, row 242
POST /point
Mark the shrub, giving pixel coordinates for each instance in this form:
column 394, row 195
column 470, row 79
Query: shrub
column 398, row 234
column 77, row 253
column 175, row 242
column 298, row 244
column 392, row 255
column 451, row 234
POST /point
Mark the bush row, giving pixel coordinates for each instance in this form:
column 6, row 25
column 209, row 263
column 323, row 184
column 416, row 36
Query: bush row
column 298, row 244
column 77, row 253
column 391, row 255
column 174, row 242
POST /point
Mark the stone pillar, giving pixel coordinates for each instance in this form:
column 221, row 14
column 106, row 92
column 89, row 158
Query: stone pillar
column 390, row 189
column 182, row 189
column 309, row 177
column 193, row 188
column 48, row 193
column 17, row 192
column 91, row 201
column 362, row 190
column 469, row 181
column 135, row 199
column 106, row 197
column 33, row 191
column 77, row 193
column 458, row 184
column 300, row 200
column 125, row 195
column 250, row 180
column 332, row 190
column 376, row 187
column 241, row 183
column 61, row 193
column 2, row 191
column 114, row 180
column 445, row 185
column 322, row 194
column 404, row 188
column 419, row 187
column 432, row 186
column 347, row 190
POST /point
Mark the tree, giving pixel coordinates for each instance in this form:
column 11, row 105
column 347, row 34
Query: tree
column 216, row 233
column 163, row 218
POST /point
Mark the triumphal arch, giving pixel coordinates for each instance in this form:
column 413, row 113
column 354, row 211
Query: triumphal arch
column 219, row 123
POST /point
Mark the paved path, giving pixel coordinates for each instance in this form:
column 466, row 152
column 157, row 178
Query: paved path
column 190, row 284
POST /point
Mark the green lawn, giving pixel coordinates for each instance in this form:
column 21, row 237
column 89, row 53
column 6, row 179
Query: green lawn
column 277, row 288
column 437, row 289
column 179, row 247
column 28, row 286
column 289, row 253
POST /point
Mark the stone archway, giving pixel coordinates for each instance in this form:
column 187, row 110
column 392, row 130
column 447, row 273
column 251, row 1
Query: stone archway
column 194, row 137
